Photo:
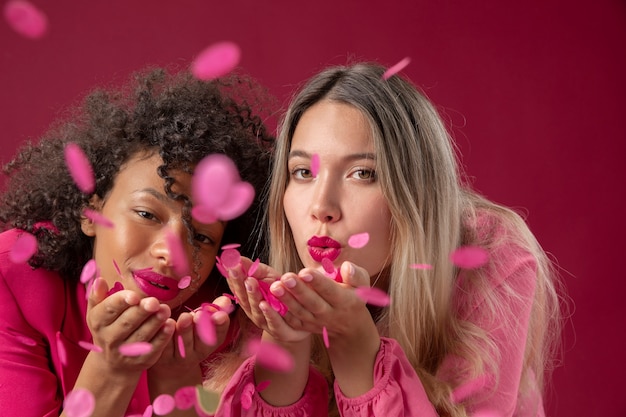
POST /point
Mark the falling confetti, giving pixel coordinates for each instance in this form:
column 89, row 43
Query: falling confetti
column 24, row 248
column 89, row 271
column 315, row 164
column 421, row 266
column 89, row 346
column 230, row 258
column 163, row 404
column 79, row 403
column 270, row 355
column 181, row 347
column 80, row 168
column 231, row 246
column 393, row 70
column 358, row 240
column 185, row 397
column 184, row 282
column 325, row 337
column 177, row 253
column 98, row 218
column 373, row 296
column 135, row 349
column 262, row 385
column 61, row 349
column 206, row 327
column 469, row 257
column 253, row 267
column 26, row 19
column 216, row 60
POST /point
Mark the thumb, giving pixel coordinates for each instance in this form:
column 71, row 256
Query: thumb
column 353, row 275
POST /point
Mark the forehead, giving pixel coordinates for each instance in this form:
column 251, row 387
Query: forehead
column 329, row 126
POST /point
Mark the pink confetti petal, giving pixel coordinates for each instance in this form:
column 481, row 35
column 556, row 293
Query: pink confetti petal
column 325, row 337
column 271, row 299
column 393, row 70
column 181, row 347
column 469, row 257
column 178, row 259
column 315, row 164
column 98, row 218
column 89, row 346
column 61, row 349
column 328, row 266
column 115, row 288
column 26, row 19
column 420, row 266
column 206, row 328
column 230, row 258
column 185, row 397
column 24, row 248
column 216, row 60
column 221, row 268
column 184, row 282
column 79, row 403
column 262, row 385
column 231, row 246
column 163, row 404
column 253, row 267
column 358, row 240
column 246, row 396
column 89, row 271
column 373, row 296
column 135, row 349
column 117, row 268
column 239, row 200
column 270, row 355
column 80, row 168
column 148, row 411
column 204, row 214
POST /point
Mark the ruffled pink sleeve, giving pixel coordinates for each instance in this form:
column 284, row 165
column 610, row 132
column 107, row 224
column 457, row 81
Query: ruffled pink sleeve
column 240, row 398
column 397, row 390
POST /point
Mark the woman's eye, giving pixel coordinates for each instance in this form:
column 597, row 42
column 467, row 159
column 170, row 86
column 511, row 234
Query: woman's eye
column 146, row 215
column 301, row 173
column 203, row 239
column 365, row 174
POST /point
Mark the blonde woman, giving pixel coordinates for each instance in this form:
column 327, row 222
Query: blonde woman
column 454, row 341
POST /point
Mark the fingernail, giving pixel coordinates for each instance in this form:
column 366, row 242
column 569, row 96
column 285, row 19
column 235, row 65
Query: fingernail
column 307, row 277
column 277, row 289
column 289, row 282
column 247, row 285
column 350, row 269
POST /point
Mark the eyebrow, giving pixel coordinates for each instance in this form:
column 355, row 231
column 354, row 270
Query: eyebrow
column 351, row 157
column 156, row 194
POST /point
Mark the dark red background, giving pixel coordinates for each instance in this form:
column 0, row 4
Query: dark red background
column 534, row 92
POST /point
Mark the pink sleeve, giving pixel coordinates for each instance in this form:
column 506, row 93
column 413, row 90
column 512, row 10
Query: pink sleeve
column 397, row 390
column 240, row 398
column 27, row 385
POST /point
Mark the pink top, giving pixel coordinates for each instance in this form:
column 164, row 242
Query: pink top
column 397, row 389
column 37, row 309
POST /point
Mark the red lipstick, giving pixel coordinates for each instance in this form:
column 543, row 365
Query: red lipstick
column 321, row 247
column 156, row 285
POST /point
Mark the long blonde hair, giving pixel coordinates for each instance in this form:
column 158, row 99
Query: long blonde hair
column 432, row 213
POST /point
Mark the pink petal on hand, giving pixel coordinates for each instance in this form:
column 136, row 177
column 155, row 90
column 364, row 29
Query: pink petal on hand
column 89, row 346
column 185, row 397
column 221, row 268
column 315, row 164
column 206, row 328
column 177, row 252
column 98, row 218
column 328, row 266
column 61, row 349
column 270, row 355
column 181, row 346
column 163, row 404
column 230, row 258
column 216, row 60
column 26, row 19
column 184, row 282
column 253, row 267
column 239, row 200
column 271, row 299
column 89, row 271
column 115, row 288
column 80, row 168
column 23, row 249
column 79, row 403
column 420, row 266
column 325, row 337
column 358, row 240
column 469, row 257
column 135, row 349
column 373, row 296
column 393, row 70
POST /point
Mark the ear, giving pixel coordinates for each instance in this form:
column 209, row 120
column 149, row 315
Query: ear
column 87, row 225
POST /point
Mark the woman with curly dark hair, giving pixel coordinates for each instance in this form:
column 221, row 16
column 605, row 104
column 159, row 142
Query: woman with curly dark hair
column 143, row 142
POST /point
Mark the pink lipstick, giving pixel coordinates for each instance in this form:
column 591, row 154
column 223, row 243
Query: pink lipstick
column 321, row 247
column 156, row 285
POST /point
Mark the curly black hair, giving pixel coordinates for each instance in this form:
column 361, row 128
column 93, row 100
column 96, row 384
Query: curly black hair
column 181, row 118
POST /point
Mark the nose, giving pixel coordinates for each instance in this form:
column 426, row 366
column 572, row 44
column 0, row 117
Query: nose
column 325, row 206
column 170, row 249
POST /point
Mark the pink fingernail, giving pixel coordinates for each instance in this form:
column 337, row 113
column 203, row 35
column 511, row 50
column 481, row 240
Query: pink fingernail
column 277, row 289
column 289, row 282
column 307, row 277
column 247, row 285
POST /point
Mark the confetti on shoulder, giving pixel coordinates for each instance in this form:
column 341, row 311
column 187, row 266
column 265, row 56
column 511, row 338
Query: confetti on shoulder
column 393, row 70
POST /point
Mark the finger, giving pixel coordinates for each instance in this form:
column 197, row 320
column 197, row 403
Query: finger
column 313, row 291
column 141, row 323
column 283, row 291
column 103, row 312
column 276, row 325
column 254, row 298
column 162, row 337
column 354, row 275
